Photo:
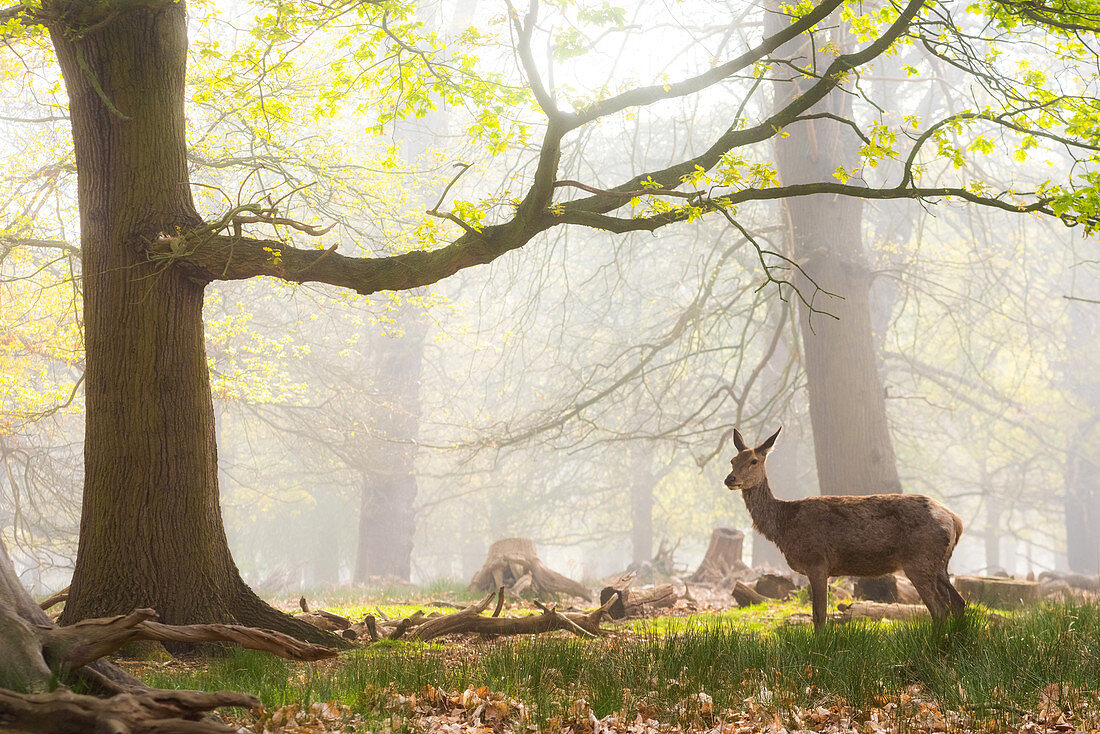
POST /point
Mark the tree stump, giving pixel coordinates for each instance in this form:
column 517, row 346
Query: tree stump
column 723, row 557
column 514, row 565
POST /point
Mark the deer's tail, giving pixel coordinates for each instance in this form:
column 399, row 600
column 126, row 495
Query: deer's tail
column 958, row 530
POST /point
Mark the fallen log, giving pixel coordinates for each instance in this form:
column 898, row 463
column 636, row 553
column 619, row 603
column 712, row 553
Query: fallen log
column 470, row 620
column 325, row 620
column 997, row 591
column 774, row 586
column 888, row 589
column 54, row 600
column 91, row 639
column 641, row 602
column 746, row 596
column 1072, row 580
column 878, row 611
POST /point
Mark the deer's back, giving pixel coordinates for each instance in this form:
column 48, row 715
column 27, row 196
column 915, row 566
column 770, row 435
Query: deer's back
column 868, row 535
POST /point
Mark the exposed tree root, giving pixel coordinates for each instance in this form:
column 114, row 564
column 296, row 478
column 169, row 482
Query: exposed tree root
column 156, row 711
column 33, row 649
column 92, row 639
column 250, row 610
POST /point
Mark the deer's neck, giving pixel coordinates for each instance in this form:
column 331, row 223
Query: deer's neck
column 764, row 509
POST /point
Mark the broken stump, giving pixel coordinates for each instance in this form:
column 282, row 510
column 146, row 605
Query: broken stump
column 512, row 563
column 723, row 557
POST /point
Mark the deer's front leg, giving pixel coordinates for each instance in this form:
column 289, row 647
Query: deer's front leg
column 819, row 591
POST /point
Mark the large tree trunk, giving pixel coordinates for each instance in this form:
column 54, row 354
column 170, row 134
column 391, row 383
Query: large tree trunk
column 852, row 442
column 151, row 531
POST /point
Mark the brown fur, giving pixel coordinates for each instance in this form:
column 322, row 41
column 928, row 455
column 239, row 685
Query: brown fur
column 867, row 535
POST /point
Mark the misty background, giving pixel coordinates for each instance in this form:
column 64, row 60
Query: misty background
column 582, row 391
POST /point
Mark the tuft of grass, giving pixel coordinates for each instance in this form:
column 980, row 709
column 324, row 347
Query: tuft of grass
column 987, row 667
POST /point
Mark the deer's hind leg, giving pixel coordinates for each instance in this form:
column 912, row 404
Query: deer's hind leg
column 927, row 585
column 949, row 592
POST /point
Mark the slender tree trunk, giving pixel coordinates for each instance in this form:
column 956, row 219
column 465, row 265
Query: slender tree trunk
column 992, row 534
column 852, row 442
column 1082, row 471
column 151, row 531
column 387, row 521
column 642, row 482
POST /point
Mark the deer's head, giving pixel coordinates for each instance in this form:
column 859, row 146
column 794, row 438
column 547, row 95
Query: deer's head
column 747, row 468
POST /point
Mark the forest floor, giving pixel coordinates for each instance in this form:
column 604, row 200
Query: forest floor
column 729, row 672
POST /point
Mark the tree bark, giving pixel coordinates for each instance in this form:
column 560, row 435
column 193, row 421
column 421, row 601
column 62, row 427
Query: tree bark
column 852, row 441
column 151, row 531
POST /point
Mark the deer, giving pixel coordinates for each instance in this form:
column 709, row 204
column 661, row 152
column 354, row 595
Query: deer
column 864, row 535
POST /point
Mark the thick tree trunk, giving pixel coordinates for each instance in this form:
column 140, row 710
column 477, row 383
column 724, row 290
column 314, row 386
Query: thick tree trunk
column 151, row 531
column 852, row 442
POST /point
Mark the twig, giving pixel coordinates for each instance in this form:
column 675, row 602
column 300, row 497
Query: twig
column 465, row 167
column 629, row 194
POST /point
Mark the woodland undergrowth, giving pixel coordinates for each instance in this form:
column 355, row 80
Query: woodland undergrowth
column 1033, row 670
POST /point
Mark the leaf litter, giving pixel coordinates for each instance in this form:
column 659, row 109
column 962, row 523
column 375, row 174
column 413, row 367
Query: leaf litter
column 478, row 710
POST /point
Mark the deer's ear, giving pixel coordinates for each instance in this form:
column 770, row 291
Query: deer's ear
column 738, row 441
column 768, row 443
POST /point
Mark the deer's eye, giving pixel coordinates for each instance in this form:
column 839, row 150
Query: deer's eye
column 753, row 461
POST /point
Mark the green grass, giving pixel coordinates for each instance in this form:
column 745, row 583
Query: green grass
column 990, row 669
column 392, row 600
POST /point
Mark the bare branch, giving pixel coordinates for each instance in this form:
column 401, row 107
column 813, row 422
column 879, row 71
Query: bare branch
column 527, row 59
column 648, row 95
